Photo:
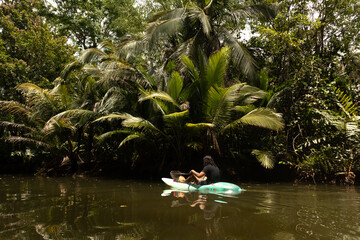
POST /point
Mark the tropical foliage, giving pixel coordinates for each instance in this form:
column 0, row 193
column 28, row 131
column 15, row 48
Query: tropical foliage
column 29, row 52
column 276, row 82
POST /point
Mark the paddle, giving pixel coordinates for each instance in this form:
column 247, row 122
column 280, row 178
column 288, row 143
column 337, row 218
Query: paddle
column 175, row 174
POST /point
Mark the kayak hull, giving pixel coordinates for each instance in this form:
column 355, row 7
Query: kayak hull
column 216, row 188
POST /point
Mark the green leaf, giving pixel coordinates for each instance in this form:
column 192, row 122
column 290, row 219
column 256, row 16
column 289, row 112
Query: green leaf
column 157, row 30
column 112, row 116
column 345, row 103
column 244, row 109
column 15, row 108
column 130, row 137
column 216, row 69
column 15, row 126
column 81, row 115
column 240, row 55
column 260, row 117
column 26, row 141
column 138, row 123
column 250, row 94
column 160, row 98
column 150, row 79
column 175, row 85
column 177, row 115
column 266, row 159
column 196, row 13
column 199, row 126
column 176, row 119
column 108, row 135
column 190, row 67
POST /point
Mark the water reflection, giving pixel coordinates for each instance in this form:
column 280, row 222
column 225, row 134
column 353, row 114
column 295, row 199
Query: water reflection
column 41, row 208
column 210, row 207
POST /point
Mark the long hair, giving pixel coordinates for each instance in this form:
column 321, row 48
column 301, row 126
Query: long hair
column 208, row 160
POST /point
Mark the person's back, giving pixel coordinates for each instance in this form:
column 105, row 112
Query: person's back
column 212, row 173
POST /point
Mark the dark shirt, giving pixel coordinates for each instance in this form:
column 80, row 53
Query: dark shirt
column 212, row 173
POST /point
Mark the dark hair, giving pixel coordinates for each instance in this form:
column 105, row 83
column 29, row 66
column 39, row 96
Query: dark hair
column 208, row 160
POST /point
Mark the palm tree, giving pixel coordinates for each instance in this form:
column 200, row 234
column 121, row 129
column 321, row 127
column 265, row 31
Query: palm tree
column 222, row 108
column 213, row 108
column 208, row 25
column 40, row 105
column 56, row 117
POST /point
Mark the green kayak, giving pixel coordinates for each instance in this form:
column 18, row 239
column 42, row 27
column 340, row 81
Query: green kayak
column 217, row 188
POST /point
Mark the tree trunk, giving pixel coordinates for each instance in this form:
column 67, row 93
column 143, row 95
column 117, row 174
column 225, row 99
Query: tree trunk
column 73, row 157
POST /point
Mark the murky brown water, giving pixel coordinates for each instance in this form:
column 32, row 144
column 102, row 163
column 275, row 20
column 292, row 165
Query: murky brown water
column 65, row 208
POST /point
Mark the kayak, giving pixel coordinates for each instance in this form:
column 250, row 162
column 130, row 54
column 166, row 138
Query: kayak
column 217, row 188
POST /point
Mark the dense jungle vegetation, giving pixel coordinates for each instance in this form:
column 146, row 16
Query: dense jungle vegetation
column 137, row 88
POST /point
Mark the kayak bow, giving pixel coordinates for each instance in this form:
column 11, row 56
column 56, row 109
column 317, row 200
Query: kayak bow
column 216, row 188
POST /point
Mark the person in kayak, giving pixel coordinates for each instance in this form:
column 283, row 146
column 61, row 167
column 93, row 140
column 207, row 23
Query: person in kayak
column 210, row 171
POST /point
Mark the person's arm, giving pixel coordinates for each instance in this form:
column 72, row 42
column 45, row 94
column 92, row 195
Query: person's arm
column 195, row 173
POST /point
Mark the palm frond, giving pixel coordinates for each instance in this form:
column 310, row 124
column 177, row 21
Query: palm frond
column 260, row 117
column 240, row 55
column 81, row 115
column 331, row 119
column 184, row 49
column 199, row 126
column 265, row 158
column 93, row 71
column 219, row 104
column 26, row 141
column 276, row 98
column 116, row 65
column 69, row 68
column 216, row 69
column 61, row 91
column 163, row 96
column 93, row 55
column 165, row 28
column 14, row 126
column 352, row 129
column 59, row 127
column 113, row 116
column 250, row 94
column 175, row 85
column 132, row 48
column 168, row 14
column 30, row 88
column 108, row 135
column 157, row 16
column 149, row 79
column 190, row 67
column 176, row 119
column 196, row 13
column 244, row 109
column 115, row 73
column 130, row 121
column 42, row 101
column 107, row 47
column 15, row 108
column 131, row 137
column 265, row 11
column 115, row 99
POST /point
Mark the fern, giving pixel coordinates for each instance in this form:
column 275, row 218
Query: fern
column 345, row 103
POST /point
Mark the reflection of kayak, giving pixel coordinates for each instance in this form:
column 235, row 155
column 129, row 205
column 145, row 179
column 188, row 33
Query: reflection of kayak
column 217, row 188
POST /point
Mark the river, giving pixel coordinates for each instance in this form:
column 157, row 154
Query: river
column 103, row 209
